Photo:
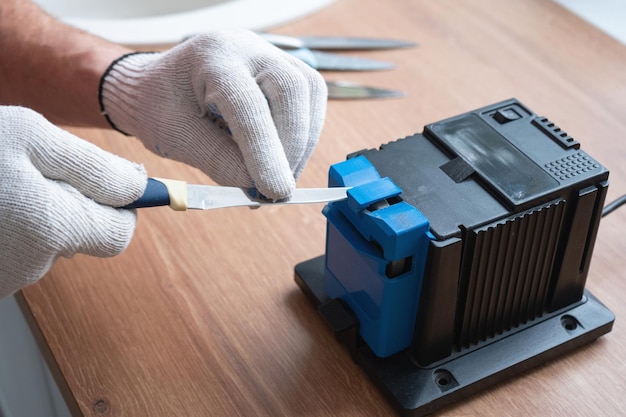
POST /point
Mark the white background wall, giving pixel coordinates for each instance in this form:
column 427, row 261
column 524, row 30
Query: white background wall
column 608, row 15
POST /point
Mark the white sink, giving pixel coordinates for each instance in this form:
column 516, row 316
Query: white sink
column 150, row 22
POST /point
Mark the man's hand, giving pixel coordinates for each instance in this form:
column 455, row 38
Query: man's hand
column 241, row 110
column 57, row 198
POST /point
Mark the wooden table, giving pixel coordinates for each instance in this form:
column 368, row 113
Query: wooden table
column 201, row 316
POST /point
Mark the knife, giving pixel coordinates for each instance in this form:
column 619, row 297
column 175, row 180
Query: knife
column 333, row 42
column 181, row 196
column 344, row 90
column 325, row 61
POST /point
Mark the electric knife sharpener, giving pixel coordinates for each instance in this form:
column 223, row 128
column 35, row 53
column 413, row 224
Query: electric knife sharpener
column 460, row 256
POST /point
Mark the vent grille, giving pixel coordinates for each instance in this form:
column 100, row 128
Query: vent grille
column 555, row 133
column 507, row 280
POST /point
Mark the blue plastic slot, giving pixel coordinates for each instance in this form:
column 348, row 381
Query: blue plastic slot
column 364, row 195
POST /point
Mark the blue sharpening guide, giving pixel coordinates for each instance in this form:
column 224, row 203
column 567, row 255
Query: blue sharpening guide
column 376, row 250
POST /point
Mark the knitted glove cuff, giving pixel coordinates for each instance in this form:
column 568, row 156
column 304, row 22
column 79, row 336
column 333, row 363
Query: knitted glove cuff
column 101, row 87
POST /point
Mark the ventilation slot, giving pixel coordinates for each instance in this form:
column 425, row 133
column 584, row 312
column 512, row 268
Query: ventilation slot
column 508, row 277
column 555, row 133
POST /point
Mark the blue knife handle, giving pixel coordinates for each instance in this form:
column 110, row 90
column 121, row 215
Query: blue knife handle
column 162, row 192
column 156, row 194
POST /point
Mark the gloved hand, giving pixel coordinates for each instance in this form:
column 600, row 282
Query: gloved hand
column 56, row 193
column 229, row 103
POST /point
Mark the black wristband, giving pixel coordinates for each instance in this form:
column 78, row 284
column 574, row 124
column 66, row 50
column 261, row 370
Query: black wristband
column 101, row 86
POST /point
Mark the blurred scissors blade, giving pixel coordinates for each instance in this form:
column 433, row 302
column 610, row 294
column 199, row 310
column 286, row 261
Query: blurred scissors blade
column 334, row 42
column 343, row 90
column 324, row 61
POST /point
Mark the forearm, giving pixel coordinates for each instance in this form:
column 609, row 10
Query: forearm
column 50, row 67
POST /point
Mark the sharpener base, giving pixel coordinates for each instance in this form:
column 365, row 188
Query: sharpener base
column 415, row 390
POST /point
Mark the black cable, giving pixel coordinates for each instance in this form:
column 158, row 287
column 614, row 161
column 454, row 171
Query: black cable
column 613, row 205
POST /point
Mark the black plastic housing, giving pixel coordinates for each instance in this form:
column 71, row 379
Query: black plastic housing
column 514, row 206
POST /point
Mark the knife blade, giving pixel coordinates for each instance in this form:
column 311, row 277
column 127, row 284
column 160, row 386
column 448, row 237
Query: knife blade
column 344, row 90
column 334, row 42
column 325, row 61
column 354, row 43
column 180, row 196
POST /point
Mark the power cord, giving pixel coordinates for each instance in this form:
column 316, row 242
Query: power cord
column 613, row 205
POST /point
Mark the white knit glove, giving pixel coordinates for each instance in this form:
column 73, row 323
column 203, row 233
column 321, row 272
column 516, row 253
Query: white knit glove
column 243, row 111
column 56, row 193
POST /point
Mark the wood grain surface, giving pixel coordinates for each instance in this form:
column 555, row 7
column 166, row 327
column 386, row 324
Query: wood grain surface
column 201, row 316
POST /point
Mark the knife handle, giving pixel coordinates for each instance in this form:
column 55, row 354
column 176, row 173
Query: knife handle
column 162, row 192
